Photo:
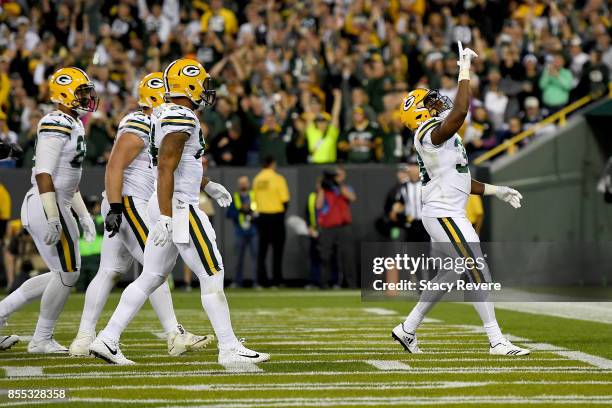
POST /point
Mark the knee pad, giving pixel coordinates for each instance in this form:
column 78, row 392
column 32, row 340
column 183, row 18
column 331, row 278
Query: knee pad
column 148, row 282
column 69, row 279
column 212, row 284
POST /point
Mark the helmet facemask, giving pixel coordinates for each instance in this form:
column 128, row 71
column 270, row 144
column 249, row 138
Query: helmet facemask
column 436, row 104
column 208, row 96
column 85, row 99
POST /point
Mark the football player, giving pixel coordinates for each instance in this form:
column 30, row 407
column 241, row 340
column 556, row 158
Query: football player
column 46, row 210
column 129, row 186
column 180, row 227
column 446, row 186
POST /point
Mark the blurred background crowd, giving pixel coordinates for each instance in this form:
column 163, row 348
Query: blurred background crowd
column 307, row 81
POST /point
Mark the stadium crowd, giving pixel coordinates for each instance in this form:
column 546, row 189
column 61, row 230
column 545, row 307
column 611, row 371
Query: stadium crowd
column 279, row 67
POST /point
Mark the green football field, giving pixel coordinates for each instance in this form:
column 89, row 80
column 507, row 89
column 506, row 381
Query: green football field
column 328, row 349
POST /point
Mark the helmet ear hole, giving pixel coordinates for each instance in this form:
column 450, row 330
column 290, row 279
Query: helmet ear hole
column 154, row 99
column 192, row 87
column 64, row 95
column 419, row 116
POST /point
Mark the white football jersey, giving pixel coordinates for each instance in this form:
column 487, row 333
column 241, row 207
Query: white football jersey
column 67, row 173
column 445, row 174
column 172, row 118
column 138, row 178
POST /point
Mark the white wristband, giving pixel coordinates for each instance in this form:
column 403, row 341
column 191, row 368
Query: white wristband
column 464, row 73
column 489, row 189
column 49, row 203
column 78, row 205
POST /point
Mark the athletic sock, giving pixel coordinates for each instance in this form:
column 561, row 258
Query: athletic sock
column 95, row 298
column 30, row 290
column 486, row 311
column 215, row 305
column 51, row 305
column 161, row 301
column 131, row 302
column 416, row 316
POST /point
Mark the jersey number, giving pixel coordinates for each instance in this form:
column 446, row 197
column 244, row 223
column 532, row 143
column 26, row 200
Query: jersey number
column 202, row 146
column 422, row 170
column 77, row 161
column 461, row 168
column 153, row 151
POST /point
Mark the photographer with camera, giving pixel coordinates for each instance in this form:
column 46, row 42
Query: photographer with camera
column 334, row 216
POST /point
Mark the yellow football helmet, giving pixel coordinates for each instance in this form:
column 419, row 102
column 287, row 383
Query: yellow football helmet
column 72, row 88
column 151, row 90
column 421, row 105
column 188, row 78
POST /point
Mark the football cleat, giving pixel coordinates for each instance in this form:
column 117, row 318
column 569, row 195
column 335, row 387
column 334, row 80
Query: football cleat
column 241, row 355
column 505, row 348
column 407, row 340
column 47, row 346
column 181, row 341
column 80, row 345
column 6, row 342
column 109, row 351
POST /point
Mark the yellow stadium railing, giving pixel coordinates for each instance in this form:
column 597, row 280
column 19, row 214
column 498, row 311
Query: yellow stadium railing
column 559, row 117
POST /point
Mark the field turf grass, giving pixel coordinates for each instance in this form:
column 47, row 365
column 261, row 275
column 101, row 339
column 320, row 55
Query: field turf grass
column 328, row 349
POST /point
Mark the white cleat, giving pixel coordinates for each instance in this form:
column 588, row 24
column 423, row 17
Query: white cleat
column 109, row 351
column 181, row 341
column 241, row 355
column 6, row 342
column 407, row 340
column 47, row 346
column 505, row 348
column 80, row 345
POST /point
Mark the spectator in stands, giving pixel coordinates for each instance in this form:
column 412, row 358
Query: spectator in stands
column 532, row 115
column 595, row 76
column 474, row 212
column 230, row 148
column 513, row 128
column 334, row 217
column 271, row 197
column 242, row 212
column 556, row 83
column 495, row 100
column 322, row 130
column 362, row 142
column 7, row 137
column 478, row 135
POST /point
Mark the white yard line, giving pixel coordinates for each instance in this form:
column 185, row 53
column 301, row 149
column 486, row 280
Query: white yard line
column 600, row 312
column 596, row 361
column 388, row 365
column 22, row 371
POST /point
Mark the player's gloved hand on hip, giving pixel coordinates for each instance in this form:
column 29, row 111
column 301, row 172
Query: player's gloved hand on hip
column 506, row 194
column 219, row 193
column 112, row 222
column 162, row 231
column 89, row 228
column 54, row 230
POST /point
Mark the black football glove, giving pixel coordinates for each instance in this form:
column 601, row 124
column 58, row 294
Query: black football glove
column 16, row 151
column 113, row 219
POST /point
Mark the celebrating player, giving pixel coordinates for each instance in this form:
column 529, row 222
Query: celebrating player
column 181, row 227
column 46, row 210
column 129, row 186
column 446, row 186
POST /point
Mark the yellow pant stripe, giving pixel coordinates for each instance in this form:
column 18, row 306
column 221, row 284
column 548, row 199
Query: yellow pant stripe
column 202, row 245
column 134, row 220
column 464, row 251
column 66, row 250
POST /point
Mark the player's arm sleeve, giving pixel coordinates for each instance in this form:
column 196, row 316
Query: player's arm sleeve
column 424, row 134
column 175, row 122
column 135, row 125
column 48, row 151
